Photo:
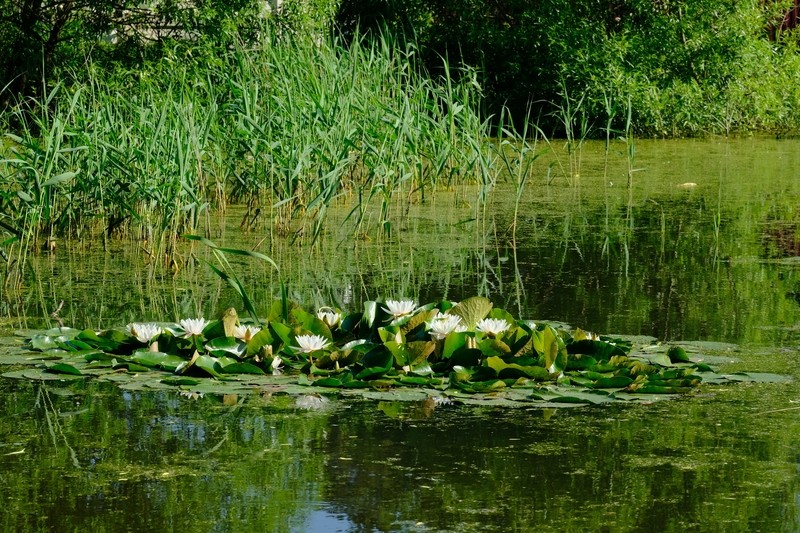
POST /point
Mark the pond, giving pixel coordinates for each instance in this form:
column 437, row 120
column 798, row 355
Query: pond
column 716, row 262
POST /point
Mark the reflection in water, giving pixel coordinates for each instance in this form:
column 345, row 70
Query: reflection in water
column 101, row 459
column 656, row 259
column 714, row 262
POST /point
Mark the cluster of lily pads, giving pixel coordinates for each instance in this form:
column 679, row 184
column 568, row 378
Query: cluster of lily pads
column 467, row 347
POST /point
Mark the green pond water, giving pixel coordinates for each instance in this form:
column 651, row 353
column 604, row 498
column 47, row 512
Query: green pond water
column 718, row 262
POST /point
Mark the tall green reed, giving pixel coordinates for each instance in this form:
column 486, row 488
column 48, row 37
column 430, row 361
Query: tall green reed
column 290, row 127
column 517, row 152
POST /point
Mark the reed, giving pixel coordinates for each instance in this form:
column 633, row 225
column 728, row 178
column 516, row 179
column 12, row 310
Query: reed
column 289, row 127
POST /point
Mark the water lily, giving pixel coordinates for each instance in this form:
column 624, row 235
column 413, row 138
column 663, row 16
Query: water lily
column 398, row 308
column 193, row 327
column 443, row 325
column 492, row 326
column 330, row 317
column 245, row 333
column 144, row 333
column 311, row 343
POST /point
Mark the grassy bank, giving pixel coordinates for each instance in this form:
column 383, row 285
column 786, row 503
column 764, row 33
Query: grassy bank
column 287, row 127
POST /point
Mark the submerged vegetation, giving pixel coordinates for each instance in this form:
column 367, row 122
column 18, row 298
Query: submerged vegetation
column 443, row 349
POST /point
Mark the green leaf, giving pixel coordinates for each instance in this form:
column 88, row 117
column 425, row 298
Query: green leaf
column 63, row 368
column 601, row 350
column 554, row 350
column 61, row 178
column 242, row 368
column 53, row 339
column 327, row 382
column 179, row 380
column 472, row 310
column 467, row 357
column 493, row 347
column 209, row 364
column 310, row 323
column 160, row 360
column 420, row 351
column 376, row 363
column 615, row 382
column 414, row 380
column 758, row 377
column 454, row 342
column 402, row 356
column 391, row 334
column 418, row 320
column 677, row 354
column 226, row 346
column 282, row 331
column 259, row 340
column 130, row 366
column 513, row 370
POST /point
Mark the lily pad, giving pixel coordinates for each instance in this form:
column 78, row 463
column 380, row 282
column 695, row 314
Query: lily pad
column 472, row 310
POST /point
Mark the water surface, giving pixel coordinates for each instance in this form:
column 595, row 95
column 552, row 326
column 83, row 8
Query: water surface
column 717, row 261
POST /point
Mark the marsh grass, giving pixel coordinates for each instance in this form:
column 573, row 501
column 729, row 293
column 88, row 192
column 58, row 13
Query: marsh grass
column 290, row 128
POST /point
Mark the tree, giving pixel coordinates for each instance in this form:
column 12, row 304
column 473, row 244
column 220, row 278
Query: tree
column 37, row 35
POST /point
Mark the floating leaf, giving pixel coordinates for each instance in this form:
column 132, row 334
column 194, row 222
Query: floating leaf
column 180, row 380
column 161, row 360
column 614, row 382
column 242, row 368
column 63, row 368
column 328, row 382
column 513, row 370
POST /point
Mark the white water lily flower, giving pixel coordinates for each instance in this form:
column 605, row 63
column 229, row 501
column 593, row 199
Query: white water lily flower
column 144, row 333
column 193, row 327
column 330, row 317
column 245, row 333
column 311, row 343
column 443, row 325
column 398, row 308
column 492, row 326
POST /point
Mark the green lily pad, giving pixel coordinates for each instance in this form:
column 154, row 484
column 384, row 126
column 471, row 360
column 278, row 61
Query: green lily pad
column 180, row 380
column 242, row 368
column 472, row 310
column 63, row 368
column 161, row 360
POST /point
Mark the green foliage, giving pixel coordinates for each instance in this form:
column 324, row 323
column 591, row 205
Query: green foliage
column 152, row 154
column 491, row 355
column 685, row 67
column 43, row 39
